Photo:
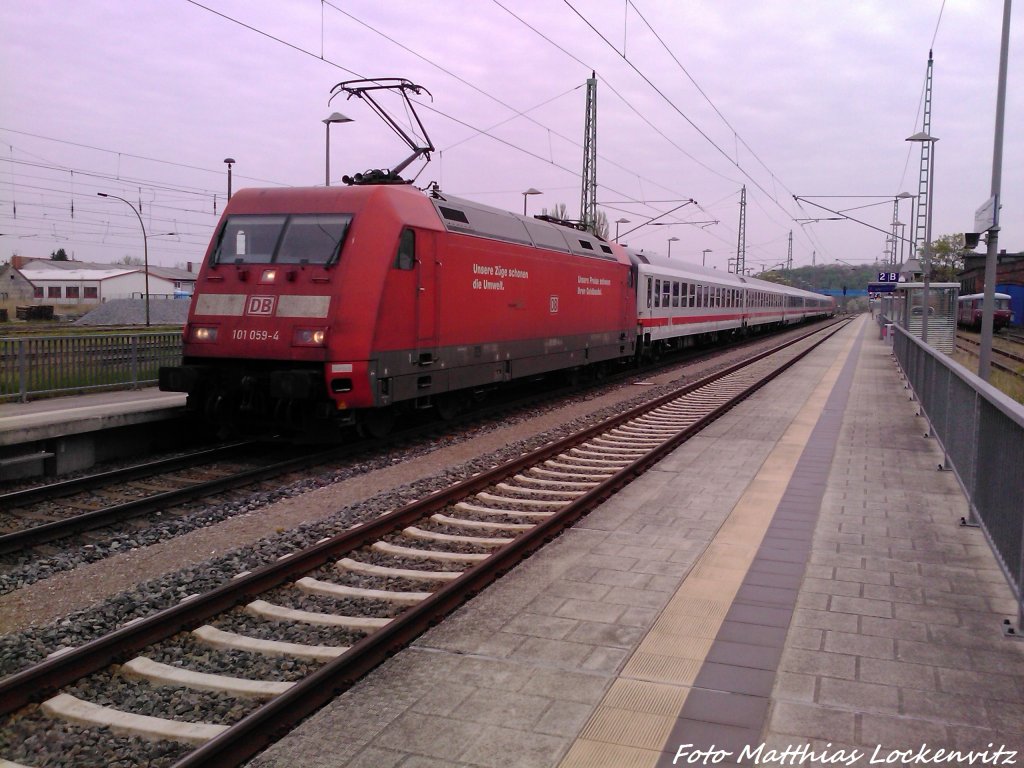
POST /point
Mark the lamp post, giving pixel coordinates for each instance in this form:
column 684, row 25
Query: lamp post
column 670, row 241
column 530, row 191
column 896, row 224
column 617, row 222
column 335, row 117
column 145, row 247
column 704, row 256
column 921, row 136
column 230, row 161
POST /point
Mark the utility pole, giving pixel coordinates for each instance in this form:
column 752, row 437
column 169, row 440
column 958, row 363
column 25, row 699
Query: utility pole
column 588, row 195
column 741, row 242
column 789, row 252
column 992, row 254
column 891, row 238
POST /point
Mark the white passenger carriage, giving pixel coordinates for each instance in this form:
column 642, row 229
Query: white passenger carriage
column 680, row 304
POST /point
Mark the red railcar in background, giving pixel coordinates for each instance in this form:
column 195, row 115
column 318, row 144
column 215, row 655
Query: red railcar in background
column 969, row 308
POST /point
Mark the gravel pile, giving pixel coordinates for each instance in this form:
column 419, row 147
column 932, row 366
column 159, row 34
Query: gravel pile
column 133, row 312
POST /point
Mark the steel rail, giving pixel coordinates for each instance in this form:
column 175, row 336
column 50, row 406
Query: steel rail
column 125, row 474
column 57, row 529
column 261, row 728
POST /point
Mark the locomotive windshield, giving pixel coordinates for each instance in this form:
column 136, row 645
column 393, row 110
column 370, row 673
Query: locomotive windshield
column 282, row 239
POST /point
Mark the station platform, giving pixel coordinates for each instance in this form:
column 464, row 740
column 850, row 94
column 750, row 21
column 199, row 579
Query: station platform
column 64, row 434
column 790, row 587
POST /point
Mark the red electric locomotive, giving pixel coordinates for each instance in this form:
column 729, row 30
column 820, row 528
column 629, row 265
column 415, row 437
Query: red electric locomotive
column 329, row 306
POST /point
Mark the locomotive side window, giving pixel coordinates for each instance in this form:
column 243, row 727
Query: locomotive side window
column 406, row 257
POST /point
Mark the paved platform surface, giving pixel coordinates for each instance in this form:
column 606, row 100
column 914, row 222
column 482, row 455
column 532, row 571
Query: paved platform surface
column 60, row 416
column 791, row 587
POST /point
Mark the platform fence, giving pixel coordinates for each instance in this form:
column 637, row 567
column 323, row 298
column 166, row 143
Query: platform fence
column 34, row 367
column 981, row 432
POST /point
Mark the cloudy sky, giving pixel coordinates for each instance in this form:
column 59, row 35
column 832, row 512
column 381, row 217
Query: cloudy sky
column 696, row 98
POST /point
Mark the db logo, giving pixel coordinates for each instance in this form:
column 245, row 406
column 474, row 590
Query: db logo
column 553, row 305
column 261, row 305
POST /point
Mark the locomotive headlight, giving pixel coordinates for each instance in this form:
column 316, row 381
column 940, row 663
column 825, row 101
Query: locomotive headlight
column 309, row 337
column 268, row 276
column 204, row 333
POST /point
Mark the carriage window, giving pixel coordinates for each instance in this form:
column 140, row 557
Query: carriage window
column 675, row 294
column 648, row 293
column 693, row 300
column 657, row 293
column 666, row 289
column 406, row 256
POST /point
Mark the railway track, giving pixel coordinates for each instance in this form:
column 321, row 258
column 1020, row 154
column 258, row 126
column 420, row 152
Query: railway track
column 329, row 613
column 1011, row 361
column 86, row 503
column 53, row 512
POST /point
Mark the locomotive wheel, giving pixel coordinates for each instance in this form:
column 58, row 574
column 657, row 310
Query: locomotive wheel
column 377, row 423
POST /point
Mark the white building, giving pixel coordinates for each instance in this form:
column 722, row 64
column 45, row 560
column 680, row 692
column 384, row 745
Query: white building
column 93, row 286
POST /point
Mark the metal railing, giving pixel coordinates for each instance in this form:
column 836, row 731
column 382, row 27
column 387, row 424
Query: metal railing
column 981, row 432
column 43, row 366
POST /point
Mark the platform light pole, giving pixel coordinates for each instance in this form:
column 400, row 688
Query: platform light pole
column 617, row 222
column 229, row 161
column 921, row 136
column 335, row 117
column 145, row 247
column 896, row 224
column 704, row 257
column 670, row 241
column 530, row 191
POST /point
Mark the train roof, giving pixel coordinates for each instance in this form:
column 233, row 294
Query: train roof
column 686, row 271
column 469, row 217
column 973, row 296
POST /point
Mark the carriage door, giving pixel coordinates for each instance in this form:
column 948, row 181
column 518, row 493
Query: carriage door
column 426, row 292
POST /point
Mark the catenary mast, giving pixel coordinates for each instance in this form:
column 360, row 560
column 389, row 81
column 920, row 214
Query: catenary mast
column 588, row 196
